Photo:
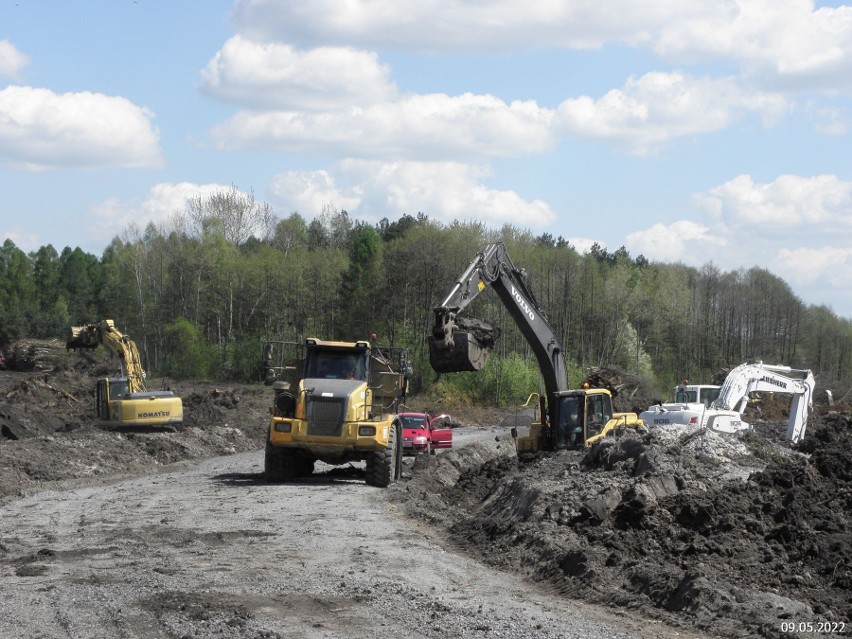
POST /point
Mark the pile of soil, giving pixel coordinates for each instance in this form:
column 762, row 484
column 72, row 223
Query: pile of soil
column 739, row 536
column 49, row 431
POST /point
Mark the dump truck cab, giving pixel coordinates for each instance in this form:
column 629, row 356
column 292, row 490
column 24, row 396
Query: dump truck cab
column 342, row 409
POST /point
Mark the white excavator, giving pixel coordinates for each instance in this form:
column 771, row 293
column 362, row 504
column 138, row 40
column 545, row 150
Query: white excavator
column 724, row 414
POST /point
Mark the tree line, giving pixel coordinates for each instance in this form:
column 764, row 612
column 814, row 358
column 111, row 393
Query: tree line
column 202, row 292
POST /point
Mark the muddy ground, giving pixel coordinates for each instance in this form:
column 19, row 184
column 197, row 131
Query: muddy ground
column 736, row 536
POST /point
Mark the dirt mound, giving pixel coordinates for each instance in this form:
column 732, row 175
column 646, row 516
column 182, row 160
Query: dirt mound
column 630, row 393
column 49, row 431
column 732, row 535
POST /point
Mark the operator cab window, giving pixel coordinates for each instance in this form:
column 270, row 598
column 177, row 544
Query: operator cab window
column 570, row 421
column 118, row 387
column 710, row 396
column 598, row 413
column 683, row 396
column 330, row 365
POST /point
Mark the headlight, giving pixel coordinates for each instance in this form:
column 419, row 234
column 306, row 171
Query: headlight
column 420, row 440
column 366, row 431
column 285, row 404
column 283, row 427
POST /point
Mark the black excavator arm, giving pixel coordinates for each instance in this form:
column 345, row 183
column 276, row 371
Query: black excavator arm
column 461, row 344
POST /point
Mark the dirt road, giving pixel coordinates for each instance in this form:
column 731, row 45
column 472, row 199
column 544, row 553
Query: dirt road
column 211, row 550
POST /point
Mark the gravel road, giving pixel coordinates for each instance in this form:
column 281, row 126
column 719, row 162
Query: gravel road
column 209, row 549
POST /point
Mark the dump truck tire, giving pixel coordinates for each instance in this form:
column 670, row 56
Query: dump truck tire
column 305, row 466
column 384, row 467
column 278, row 464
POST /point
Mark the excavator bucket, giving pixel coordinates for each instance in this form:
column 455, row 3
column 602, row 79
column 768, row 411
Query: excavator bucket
column 467, row 350
column 83, row 337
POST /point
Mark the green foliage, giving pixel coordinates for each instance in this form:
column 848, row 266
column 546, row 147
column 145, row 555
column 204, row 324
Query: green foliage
column 189, row 356
column 201, row 293
column 505, row 381
column 359, row 289
column 13, row 325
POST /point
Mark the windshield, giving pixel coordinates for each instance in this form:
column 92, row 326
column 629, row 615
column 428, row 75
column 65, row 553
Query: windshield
column 118, row 387
column 336, row 365
column 413, row 421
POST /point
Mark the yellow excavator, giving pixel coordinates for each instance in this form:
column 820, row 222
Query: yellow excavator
column 568, row 418
column 124, row 400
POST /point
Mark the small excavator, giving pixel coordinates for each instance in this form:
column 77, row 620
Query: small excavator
column 124, row 400
column 568, row 418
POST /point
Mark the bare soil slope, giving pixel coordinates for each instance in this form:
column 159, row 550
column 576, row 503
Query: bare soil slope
column 739, row 537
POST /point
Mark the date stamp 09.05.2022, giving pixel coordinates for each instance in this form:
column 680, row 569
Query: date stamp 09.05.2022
column 824, row 628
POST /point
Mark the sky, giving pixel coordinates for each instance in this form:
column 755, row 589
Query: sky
column 700, row 131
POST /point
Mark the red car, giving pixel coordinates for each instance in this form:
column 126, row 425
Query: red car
column 422, row 433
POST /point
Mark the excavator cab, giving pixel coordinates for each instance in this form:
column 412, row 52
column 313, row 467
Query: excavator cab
column 459, row 343
column 582, row 415
column 569, row 431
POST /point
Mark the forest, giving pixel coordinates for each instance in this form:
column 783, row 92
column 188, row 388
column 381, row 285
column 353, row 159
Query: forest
column 202, row 292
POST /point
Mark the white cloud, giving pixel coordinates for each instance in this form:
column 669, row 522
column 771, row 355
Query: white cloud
column 787, row 39
column 775, row 40
column 829, row 266
column 166, row 199
column 827, row 120
column 12, row 61
column 815, row 205
column 444, row 191
column 658, row 107
column 41, row 130
column 277, row 76
column 682, row 241
column 497, row 25
column 435, row 127
column 162, row 205
column 307, row 192
column 799, row 228
column 23, row 238
column 583, row 244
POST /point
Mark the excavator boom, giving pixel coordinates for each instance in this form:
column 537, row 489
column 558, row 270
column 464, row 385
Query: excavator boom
column 567, row 417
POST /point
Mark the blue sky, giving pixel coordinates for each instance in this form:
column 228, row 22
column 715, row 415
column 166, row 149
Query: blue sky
column 709, row 131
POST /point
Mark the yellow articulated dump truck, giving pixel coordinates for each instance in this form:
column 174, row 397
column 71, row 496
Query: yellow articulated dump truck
column 124, row 400
column 341, row 408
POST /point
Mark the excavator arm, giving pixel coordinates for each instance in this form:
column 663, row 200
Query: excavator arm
column 105, row 333
column 759, row 377
column 459, row 344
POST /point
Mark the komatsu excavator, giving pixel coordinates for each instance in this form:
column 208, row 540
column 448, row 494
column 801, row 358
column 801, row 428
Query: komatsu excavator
column 568, row 418
column 725, row 413
column 124, row 400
